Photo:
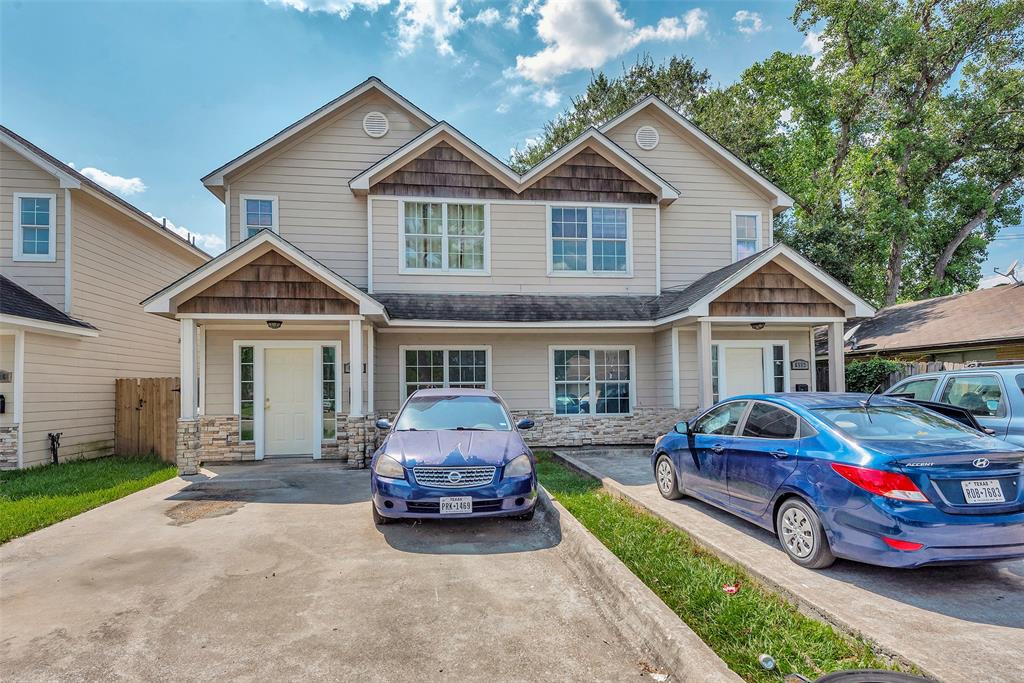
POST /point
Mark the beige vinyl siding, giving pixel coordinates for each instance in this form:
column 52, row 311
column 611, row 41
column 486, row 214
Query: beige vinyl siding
column 45, row 279
column 7, row 388
column 663, row 366
column 69, row 383
column 317, row 211
column 520, row 362
column 689, row 382
column 519, row 260
column 696, row 230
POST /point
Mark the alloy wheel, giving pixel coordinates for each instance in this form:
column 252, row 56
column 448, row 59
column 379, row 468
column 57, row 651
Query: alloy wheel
column 797, row 532
column 664, row 476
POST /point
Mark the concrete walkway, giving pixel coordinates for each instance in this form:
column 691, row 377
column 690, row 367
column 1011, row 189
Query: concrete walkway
column 963, row 623
column 276, row 572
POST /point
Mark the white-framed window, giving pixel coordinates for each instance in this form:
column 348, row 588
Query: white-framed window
column 257, row 212
column 246, row 393
column 589, row 240
column 597, row 380
column 447, row 237
column 35, row 227
column 435, row 367
column 329, row 392
column 746, row 234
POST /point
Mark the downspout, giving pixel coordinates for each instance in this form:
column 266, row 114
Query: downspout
column 67, row 251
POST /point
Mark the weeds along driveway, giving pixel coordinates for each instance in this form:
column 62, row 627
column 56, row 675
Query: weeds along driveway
column 962, row 623
column 276, row 572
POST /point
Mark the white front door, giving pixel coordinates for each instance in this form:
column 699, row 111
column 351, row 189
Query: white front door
column 289, row 402
column 744, row 370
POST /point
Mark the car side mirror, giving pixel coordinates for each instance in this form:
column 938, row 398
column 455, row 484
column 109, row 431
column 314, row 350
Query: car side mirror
column 682, row 427
column 525, row 423
column 383, row 424
column 989, row 431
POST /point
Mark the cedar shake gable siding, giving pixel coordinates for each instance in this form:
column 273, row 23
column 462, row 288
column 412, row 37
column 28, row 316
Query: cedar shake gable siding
column 772, row 291
column 443, row 171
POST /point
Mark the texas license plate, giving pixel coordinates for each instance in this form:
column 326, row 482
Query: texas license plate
column 981, row 491
column 453, row 505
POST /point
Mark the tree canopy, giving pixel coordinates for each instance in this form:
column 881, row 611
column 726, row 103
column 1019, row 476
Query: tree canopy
column 902, row 144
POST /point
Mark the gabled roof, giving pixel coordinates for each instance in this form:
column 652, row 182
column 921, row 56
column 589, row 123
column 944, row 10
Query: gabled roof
column 161, row 302
column 72, row 179
column 215, row 178
column 18, row 306
column 782, row 200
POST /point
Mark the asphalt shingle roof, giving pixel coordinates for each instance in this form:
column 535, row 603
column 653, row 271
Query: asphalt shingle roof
column 16, row 300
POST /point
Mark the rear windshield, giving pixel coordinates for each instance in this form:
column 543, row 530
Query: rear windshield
column 891, row 423
column 483, row 413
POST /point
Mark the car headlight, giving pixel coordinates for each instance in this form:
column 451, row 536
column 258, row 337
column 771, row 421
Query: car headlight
column 389, row 467
column 520, row 466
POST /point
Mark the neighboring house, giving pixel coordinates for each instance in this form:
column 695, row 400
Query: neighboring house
column 75, row 261
column 984, row 325
column 627, row 279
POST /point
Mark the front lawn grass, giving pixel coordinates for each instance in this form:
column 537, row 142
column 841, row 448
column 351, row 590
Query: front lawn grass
column 689, row 580
column 34, row 498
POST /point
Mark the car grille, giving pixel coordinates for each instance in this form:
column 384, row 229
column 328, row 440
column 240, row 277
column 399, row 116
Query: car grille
column 464, row 477
column 435, row 506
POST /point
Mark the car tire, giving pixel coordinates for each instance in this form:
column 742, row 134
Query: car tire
column 378, row 518
column 665, row 478
column 802, row 535
column 527, row 516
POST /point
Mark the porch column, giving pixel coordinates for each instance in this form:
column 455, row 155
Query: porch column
column 836, row 359
column 675, row 367
column 704, row 393
column 188, row 369
column 355, row 359
column 369, row 369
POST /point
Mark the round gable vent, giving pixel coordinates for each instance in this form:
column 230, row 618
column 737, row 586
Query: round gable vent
column 646, row 137
column 375, row 124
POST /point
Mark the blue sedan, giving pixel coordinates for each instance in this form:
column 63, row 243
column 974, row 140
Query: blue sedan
column 867, row 478
column 453, row 453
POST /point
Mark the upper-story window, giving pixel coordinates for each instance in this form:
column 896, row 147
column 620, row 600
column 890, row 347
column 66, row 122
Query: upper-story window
column 35, row 230
column 444, row 237
column 589, row 240
column 258, row 213
column 746, row 234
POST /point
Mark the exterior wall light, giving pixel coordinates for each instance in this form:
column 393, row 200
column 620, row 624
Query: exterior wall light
column 757, row 326
column 274, row 324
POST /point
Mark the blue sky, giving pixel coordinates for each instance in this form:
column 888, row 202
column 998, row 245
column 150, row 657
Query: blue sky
column 150, row 96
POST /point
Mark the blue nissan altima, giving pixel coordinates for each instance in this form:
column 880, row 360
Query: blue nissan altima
column 868, row 478
column 453, row 453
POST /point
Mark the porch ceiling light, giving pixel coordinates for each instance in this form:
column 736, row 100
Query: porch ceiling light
column 757, row 326
column 274, row 324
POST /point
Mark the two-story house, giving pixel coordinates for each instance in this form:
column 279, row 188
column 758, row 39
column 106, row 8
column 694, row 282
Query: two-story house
column 75, row 260
column 626, row 280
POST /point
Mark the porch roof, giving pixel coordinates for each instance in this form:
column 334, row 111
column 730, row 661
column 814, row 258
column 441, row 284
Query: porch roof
column 18, row 305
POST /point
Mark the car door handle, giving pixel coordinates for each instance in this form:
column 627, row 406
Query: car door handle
column 718, row 448
column 780, row 453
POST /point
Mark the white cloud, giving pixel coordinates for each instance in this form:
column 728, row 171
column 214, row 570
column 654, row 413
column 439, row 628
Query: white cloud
column 584, row 34
column 813, row 43
column 438, row 19
column 114, row 183
column 342, row 8
column 213, row 244
column 502, row 108
column 549, row 97
column 488, row 17
column 786, row 115
column 749, row 23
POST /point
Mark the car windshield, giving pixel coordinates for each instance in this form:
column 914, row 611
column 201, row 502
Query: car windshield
column 482, row 413
column 893, row 423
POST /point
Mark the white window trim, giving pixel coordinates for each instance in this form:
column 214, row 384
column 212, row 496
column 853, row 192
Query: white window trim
column 259, row 387
column 19, row 255
column 275, row 226
column 444, row 269
column 593, row 377
column 402, row 391
column 589, row 272
column 757, row 230
column 766, row 350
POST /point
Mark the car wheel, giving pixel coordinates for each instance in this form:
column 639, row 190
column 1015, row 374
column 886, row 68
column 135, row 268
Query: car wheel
column 665, row 476
column 527, row 516
column 802, row 535
column 378, row 518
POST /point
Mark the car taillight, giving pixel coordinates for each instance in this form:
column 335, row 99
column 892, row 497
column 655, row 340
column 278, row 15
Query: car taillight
column 897, row 544
column 889, row 484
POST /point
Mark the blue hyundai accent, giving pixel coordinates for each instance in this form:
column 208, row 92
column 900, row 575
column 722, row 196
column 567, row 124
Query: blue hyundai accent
column 453, row 453
column 867, row 478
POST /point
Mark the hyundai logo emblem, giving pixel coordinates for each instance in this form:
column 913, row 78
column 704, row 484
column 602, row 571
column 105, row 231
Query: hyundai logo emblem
column 981, row 463
column 454, row 477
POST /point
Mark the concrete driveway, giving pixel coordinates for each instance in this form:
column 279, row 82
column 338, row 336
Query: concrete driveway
column 276, row 572
column 959, row 623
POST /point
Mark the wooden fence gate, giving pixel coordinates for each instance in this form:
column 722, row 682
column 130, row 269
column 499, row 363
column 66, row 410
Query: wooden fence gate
column 146, row 416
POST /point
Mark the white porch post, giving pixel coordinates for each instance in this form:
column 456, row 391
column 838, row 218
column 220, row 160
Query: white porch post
column 704, row 392
column 676, row 402
column 814, row 361
column 355, row 359
column 188, row 369
column 369, row 369
column 836, row 364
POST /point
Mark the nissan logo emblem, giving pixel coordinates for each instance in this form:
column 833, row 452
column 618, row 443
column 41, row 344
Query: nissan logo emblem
column 981, row 463
column 454, row 477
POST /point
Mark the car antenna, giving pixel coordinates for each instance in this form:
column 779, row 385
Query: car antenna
column 867, row 402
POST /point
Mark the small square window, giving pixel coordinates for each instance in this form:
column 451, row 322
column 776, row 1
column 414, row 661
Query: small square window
column 258, row 213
